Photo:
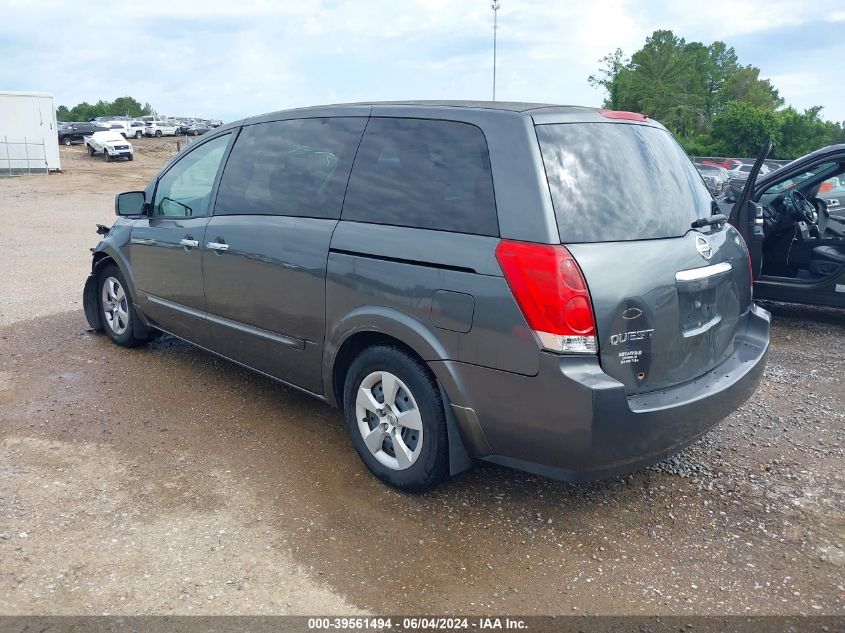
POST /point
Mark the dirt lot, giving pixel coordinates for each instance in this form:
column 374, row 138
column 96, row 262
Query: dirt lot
column 164, row 480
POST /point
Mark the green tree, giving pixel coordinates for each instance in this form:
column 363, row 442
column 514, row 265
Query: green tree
column 721, row 64
column 712, row 103
column 122, row 106
column 746, row 86
column 801, row 132
column 741, row 129
column 612, row 63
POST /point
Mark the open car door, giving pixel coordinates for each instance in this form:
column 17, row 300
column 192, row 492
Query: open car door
column 747, row 217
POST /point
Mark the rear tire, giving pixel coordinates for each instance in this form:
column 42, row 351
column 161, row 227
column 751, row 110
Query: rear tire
column 415, row 457
column 137, row 134
column 116, row 310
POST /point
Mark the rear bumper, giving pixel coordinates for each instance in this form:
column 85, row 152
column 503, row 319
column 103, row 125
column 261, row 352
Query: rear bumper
column 574, row 422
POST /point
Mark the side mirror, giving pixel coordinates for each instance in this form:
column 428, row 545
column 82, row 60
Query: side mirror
column 130, row 203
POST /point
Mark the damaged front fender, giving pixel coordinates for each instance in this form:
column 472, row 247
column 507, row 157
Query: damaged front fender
column 89, row 303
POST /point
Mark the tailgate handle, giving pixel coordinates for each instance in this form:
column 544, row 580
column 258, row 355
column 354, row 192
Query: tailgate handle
column 705, row 272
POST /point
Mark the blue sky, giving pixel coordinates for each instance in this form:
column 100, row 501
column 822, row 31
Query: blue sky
column 232, row 59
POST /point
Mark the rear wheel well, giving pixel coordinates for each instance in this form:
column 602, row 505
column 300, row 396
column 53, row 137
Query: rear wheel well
column 352, row 347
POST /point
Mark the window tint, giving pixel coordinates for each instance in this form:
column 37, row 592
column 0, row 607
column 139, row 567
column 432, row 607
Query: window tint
column 184, row 190
column 615, row 182
column 297, row 167
column 425, row 174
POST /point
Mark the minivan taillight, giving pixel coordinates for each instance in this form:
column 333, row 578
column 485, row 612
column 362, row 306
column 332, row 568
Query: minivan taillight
column 552, row 293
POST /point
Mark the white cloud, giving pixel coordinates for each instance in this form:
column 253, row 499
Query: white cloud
column 231, row 59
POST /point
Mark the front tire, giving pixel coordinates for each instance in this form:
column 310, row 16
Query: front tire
column 158, row 133
column 91, row 151
column 66, row 141
column 116, row 310
column 137, row 135
column 396, row 418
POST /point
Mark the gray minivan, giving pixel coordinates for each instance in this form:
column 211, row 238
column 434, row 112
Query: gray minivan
column 550, row 288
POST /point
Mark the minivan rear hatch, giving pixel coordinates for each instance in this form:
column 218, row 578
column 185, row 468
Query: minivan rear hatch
column 669, row 299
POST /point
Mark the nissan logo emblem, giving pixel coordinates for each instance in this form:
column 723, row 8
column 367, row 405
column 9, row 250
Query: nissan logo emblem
column 703, row 247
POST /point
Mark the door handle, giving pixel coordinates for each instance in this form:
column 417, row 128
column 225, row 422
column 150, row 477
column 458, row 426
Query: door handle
column 218, row 246
column 189, row 243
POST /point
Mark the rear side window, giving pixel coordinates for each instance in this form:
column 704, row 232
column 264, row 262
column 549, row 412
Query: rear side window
column 425, row 174
column 297, row 167
column 614, row 182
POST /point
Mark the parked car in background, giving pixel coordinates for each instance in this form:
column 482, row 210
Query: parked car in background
column 160, row 128
column 77, row 131
column 111, row 144
column 193, row 128
column 118, row 125
column 739, row 174
column 135, row 129
column 728, row 163
column 450, row 277
column 715, row 177
column 832, row 192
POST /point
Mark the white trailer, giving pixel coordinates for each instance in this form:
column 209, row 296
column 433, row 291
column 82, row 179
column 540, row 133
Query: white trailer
column 29, row 141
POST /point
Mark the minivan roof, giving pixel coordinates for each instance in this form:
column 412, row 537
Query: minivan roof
column 510, row 106
column 468, row 111
column 503, row 106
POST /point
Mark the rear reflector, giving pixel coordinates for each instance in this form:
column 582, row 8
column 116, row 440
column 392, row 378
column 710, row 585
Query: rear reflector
column 552, row 294
column 622, row 114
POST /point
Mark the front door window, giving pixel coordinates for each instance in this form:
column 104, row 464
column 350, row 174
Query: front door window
column 185, row 189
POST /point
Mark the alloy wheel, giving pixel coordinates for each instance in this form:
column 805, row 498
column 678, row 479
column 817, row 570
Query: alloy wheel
column 389, row 420
column 115, row 306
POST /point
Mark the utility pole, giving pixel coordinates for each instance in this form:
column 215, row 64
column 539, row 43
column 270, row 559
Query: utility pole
column 495, row 5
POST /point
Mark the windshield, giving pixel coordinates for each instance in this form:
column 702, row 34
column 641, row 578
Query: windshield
column 620, row 182
column 797, row 181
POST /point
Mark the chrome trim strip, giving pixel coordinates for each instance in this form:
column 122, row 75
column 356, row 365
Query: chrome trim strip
column 199, row 314
column 235, row 325
column 696, row 274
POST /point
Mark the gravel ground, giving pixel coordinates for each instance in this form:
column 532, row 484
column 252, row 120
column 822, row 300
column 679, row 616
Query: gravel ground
column 164, row 480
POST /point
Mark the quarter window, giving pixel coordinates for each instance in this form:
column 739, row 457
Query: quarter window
column 185, row 188
column 423, row 173
column 296, row 167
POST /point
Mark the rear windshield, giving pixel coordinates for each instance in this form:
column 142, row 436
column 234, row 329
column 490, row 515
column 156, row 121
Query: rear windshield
column 614, row 182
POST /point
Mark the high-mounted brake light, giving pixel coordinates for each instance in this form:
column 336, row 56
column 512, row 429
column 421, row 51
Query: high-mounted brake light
column 551, row 293
column 622, row 114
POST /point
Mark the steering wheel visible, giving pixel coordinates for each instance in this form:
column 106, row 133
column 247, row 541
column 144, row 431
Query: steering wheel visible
column 803, row 209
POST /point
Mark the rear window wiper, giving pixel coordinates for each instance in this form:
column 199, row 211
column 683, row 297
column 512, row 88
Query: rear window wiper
column 716, row 218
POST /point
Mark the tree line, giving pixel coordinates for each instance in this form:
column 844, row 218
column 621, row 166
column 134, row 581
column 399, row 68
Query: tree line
column 122, row 106
column 714, row 105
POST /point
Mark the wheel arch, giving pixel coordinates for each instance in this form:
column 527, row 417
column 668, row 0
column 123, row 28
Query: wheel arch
column 101, row 259
column 377, row 325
